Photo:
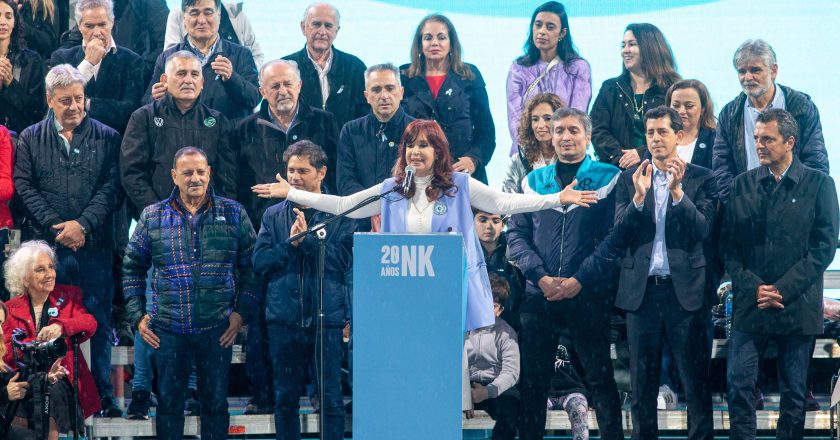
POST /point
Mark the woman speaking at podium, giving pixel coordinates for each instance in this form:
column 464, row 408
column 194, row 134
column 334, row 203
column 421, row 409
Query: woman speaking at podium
column 436, row 199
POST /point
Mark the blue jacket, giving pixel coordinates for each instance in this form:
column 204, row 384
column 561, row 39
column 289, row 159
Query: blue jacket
column 291, row 272
column 555, row 242
column 729, row 158
column 191, row 298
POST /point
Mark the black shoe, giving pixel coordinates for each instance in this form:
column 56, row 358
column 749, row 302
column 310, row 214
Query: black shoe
column 811, row 403
column 138, row 409
column 258, row 407
column 123, row 336
column 109, row 408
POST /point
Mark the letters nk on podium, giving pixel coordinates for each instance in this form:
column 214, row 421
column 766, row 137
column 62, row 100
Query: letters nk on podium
column 409, row 304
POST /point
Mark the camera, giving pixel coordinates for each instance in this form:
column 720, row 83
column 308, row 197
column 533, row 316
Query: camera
column 38, row 356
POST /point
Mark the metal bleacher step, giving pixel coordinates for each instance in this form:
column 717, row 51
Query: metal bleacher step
column 824, row 349
column 242, row 425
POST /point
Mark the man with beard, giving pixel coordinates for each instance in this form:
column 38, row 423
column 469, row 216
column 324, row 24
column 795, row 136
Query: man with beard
column 734, row 151
column 261, row 140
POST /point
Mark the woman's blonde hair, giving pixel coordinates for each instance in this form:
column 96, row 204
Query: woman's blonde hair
column 21, row 263
column 45, row 8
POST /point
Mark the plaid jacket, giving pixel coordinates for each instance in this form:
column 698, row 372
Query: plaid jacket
column 191, row 297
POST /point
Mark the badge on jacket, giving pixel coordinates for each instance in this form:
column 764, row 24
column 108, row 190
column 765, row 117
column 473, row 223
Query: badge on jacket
column 159, row 122
column 440, row 208
column 210, row 122
column 52, row 311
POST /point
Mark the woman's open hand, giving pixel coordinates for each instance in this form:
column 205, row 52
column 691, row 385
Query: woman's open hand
column 571, row 196
column 277, row 190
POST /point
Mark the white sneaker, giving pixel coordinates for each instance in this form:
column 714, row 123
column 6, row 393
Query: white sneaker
column 667, row 399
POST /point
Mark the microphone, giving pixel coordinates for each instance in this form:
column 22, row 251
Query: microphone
column 409, row 178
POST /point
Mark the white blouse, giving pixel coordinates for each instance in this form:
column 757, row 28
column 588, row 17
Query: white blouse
column 419, row 216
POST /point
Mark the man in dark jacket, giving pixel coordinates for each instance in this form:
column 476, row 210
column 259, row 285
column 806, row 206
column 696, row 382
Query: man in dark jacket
column 157, row 130
column 228, row 68
column 67, row 180
column 734, row 149
column 200, row 246
column 367, row 146
column 664, row 211
column 114, row 74
column 292, row 300
column 139, row 25
column 283, row 119
column 550, row 247
column 332, row 80
column 780, row 234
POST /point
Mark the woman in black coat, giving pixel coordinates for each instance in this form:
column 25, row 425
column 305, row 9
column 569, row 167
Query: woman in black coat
column 691, row 99
column 440, row 86
column 618, row 132
column 22, row 72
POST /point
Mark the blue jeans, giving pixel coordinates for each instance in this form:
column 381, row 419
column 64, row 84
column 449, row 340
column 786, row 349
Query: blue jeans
column 212, row 362
column 292, row 350
column 794, row 355
column 256, row 357
column 90, row 270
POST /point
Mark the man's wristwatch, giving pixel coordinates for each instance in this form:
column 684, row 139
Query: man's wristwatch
column 83, row 228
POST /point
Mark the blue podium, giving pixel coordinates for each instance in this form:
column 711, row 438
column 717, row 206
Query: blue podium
column 409, row 300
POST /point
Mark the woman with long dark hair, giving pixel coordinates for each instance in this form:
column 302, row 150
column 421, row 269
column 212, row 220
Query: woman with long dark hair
column 22, row 98
column 648, row 69
column 439, row 85
column 534, row 140
column 551, row 64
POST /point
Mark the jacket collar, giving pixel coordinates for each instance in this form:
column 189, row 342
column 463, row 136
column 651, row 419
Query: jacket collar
column 304, row 113
column 794, row 172
column 169, row 102
column 395, row 120
column 174, row 201
column 20, row 308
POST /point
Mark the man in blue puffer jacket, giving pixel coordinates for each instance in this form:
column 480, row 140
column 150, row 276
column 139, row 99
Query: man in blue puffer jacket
column 292, row 296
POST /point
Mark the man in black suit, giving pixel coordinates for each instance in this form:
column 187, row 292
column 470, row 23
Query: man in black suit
column 114, row 73
column 664, row 210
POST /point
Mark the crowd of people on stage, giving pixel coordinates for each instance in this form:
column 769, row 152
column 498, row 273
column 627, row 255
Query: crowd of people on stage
column 128, row 112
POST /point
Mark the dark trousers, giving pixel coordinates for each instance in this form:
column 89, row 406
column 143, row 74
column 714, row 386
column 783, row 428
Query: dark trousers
column 504, row 409
column 256, row 357
column 293, row 350
column 794, row 355
column 212, row 362
column 661, row 309
column 586, row 316
column 90, row 270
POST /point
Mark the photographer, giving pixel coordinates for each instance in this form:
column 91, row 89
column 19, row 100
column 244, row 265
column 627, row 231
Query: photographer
column 46, row 311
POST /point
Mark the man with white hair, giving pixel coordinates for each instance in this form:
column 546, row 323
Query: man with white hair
column 332, row 80
column 230, row 73
column 261, row 139
column 114, row 74
column 734, row 151
column 157, row 130
column 67, row 179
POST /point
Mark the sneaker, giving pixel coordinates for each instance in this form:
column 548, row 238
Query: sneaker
column 667, row 398
column 811, row 403
column 759, row 399
column 138, row 409
column 256, row 407
column 109, row 408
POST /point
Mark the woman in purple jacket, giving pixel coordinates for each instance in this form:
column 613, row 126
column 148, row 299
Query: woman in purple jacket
column 550, row 64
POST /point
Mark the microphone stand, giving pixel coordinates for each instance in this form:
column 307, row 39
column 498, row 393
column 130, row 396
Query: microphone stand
column 319, row 232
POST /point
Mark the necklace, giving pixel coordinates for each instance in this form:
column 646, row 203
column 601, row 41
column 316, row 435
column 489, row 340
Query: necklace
column 420, row 213
column 639, row 110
